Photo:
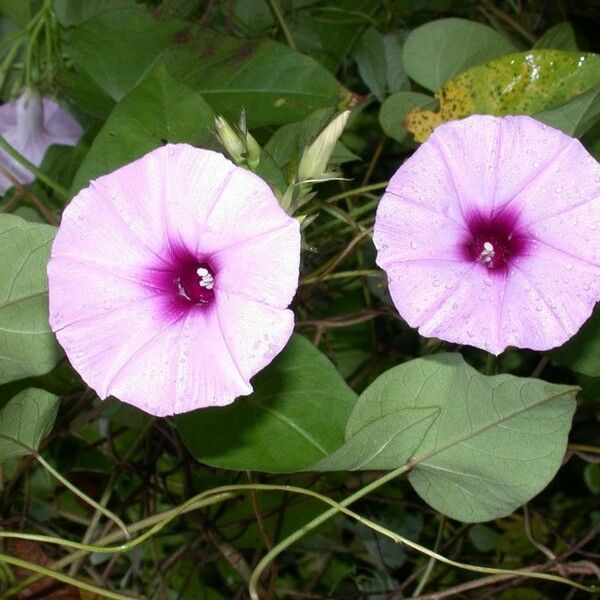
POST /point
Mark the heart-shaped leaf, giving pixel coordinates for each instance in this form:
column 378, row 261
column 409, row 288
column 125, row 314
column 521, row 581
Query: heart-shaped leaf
column 27, row 346
column 24, row 421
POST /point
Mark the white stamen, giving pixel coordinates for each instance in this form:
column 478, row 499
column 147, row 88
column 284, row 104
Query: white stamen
column 487, row 254
column 206, row 279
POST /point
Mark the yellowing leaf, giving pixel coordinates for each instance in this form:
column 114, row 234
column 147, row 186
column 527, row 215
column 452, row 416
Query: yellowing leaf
column 523, row 83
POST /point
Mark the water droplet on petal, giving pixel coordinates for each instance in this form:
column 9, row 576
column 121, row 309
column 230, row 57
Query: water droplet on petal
column 569, row 266
column 414, row 245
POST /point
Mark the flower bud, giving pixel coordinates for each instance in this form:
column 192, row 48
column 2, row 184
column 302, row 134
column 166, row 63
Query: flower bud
column 314, row 160
column 230, row 140
column 252, row 151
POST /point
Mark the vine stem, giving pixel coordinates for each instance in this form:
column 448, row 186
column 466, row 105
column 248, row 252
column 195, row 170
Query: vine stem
column 101, row 509
column 281, row 20
column 16, row 155
column 299, row 533
column 431, row 563
column 357, row 191
column 78, row 583
column 215, row 495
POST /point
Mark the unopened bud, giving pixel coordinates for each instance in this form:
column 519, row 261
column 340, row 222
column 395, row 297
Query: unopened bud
column 313, row 163
column 252, row 151
column 230, row 140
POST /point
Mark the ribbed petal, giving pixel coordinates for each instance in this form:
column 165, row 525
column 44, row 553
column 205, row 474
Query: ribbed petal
column 254, row 333
column 264, row 268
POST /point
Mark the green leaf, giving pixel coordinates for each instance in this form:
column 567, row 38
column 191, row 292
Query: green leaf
column 397, row 79
column 395, row 109
column 559, row 37
column 439, row 50
column 19, row 11
column 84, row 92
column 27, row 346
column 582, row 352
column 524, row 83
column 157, row 111
column 380, row 435
column 484, row 538
column 295, row 416
column 479, row 446
column 74, row 12
column 24, row 421
column 497, row 442
column 577, row 116
column 274, row 83
column 371, row 61
column 117, row 49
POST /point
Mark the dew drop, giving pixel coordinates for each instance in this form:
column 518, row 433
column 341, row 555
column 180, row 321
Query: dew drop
column 569, row 266
column 414, row 245
column 538, row 308
column 487, row 281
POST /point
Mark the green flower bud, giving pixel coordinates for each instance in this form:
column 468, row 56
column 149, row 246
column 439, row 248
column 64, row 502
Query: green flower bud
column 230, row 140
column 313, row 163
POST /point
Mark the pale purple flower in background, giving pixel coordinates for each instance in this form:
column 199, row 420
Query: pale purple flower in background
column 31, row 124
column 489, row 234
column 170, row 278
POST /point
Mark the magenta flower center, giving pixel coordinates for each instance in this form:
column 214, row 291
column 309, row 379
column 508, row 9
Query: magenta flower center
column 494, row 241
column 195, row 282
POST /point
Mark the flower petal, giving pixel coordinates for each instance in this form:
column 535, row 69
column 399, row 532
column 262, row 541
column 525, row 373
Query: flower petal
column 83, row 290
column 503, row 157
column 59, row 125
column 407, row 231
column 264, row 268
column 94, row 230
column 254, row 333
column 562, row 203
column 549, row 295
column 456, row 301
column 184, row 366
column 425, row 180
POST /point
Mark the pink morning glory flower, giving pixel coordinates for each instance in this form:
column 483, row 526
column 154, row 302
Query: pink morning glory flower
column 489, row 234
column 31, row 124
column 170, row 278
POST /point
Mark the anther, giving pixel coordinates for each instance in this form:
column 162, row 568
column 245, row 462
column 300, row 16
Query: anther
column 487, row 254
column 206, row 279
